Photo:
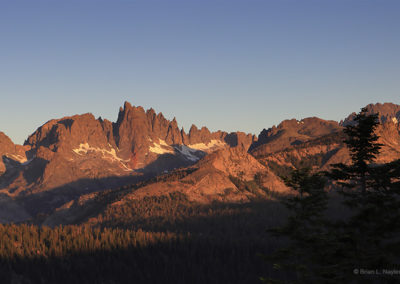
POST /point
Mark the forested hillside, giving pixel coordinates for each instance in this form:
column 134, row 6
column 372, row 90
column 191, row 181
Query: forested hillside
column 218, row 243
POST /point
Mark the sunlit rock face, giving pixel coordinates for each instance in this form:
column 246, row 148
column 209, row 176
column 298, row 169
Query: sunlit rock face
column 291, row 133
column 388, row 130
column 84, row 153
column 72, row 156
column 319, row 143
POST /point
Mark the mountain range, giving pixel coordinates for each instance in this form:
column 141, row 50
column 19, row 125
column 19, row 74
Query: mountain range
column 69, row 166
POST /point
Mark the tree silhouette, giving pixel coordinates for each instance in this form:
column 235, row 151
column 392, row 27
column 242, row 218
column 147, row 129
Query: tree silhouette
column 324, row 250
column 371, row 191
column 305, row 228
column 362, row 142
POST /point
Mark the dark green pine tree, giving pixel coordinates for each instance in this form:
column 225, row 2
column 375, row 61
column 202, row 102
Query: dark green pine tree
column 362, row 142
column 305, row 229
column 369, row 239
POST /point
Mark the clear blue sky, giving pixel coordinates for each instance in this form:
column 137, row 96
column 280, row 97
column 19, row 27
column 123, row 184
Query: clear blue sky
column 230, row 65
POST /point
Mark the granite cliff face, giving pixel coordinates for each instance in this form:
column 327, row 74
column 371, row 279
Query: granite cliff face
column 11, row 156
column 387, row 112
column 6, row 147
column 84, row 153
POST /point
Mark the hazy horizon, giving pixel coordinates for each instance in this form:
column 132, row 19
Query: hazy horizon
column 228, row 65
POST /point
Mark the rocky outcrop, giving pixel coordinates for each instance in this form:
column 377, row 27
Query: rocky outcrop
column 291, row 133
column 387, row 112
column 240, row 139
column 11, row 155
column 6, row 146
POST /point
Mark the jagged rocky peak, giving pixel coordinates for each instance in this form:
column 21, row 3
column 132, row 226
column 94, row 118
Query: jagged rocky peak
column 6, row 145
column 139, row 135
column 196, row 135
column 387, row 112
column 108, row 129
column 149, row 123
column 73, row 150
column 69, row 132
column 240, row 139
column 174, row 135
column 135, row 124
column 11, row 154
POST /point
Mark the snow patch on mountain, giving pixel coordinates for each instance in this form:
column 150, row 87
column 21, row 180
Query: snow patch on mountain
column 85, row 148
column 188, row 152
column 161, row 148
column 163, row 143
column 17, row 158
column 212, row 144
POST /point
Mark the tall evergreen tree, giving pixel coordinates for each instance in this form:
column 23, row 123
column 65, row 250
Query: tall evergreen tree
column 362, row 142
column 371, row 191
